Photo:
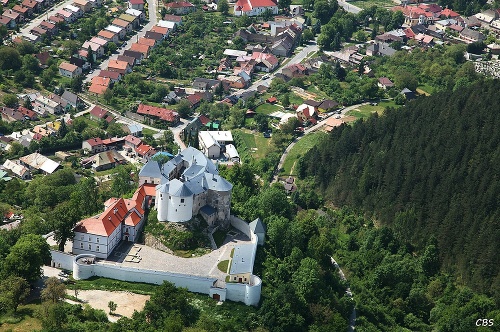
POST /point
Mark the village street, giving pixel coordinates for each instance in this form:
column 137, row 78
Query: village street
column 36, row 21
column 153, row 19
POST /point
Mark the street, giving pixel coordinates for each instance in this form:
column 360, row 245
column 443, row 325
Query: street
column 152, row 22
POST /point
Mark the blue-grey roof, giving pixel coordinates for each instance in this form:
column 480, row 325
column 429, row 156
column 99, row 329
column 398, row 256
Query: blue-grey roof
column 162, row 188
column 218, row 183
column 192, row 171
column 197, row 184
column 190, row 154
column 257, row 226
column 151, row 169
column 208, row 210
column 242, row 261
column 134, row 128
column 179, row 189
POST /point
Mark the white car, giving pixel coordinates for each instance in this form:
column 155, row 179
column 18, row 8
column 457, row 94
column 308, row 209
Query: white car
column 265, row 77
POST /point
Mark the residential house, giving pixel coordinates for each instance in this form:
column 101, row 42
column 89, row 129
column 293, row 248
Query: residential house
column 132, row 142
column 32, row 5
column 408, row 94
column 156, row 36
column 236, row 82
column 7, row 21
column 121, row 67
column 158, row 112
column 99, row 85
column 39, row 162
column 112, row 75
column 18, row 170
column 382, row 49
column 471, row 36
column 385, row 83
column 306, row 113
column 75, row 10
column 72, row 99
column 79, row 63
column 144, row 49
column 180, row 7
column 255, row 7
column 295, row 70
column 100, row 41
column 212, row 143
column 138, row 56
column 44, row 104
column 13, row 15
column 97, row 113
column 123, row 24
column 265, row 62
column 283, row 47
column 122, row 32
column 135, row 21
column 66, row 69
column 136, row 4
column 177, row 20
column 133, row 129
column 145, row 152
column 139, row 15
column 109, row 36
column 23, row 12
column 51, row 28
column 93, row 145
column 37, row 31
column 27, row 113
column 98, row 50
column 106, row 160
column 10, row 115
column 332, row 123
column 146, row 41
column 127, row 59
column 448, row 13
column 56, row 19
column 327, row 105
column 84, row 5
column 205, row 84
column 67, row 15
column 163, row 30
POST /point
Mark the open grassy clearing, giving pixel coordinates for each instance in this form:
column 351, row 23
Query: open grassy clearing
column 113, row 285
column 299, row 149
column 223, row 265
column 23, row 320
column 267, row 108
column 366, row 111
column 256, row 144
column 369, row 3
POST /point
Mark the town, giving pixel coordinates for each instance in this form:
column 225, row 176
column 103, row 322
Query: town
column 139, row 137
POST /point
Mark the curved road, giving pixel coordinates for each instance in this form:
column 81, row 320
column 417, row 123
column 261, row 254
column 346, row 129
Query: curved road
column 307, row 131
column 352, row 318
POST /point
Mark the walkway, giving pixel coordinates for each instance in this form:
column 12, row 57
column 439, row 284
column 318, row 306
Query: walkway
column 349, row 7
column 352, row 317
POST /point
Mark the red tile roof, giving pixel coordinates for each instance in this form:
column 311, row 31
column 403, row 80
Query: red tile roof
column 144, row 150
column 203, row 119
column 98, row 112
column 136, row 2
column 94, row 141
column 133, row 140
column 162, row 113
column 247, row 5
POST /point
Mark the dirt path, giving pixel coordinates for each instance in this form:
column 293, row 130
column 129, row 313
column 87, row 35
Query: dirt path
column 127, row 302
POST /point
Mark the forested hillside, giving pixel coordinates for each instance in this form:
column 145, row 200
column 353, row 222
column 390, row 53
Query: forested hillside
column 429, row 169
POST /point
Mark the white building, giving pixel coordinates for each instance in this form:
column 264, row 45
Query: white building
column 121, row 220
column 254, row 7
column 212, row 143
column 187, row 185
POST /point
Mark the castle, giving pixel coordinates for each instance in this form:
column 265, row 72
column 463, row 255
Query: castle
column 186, row 185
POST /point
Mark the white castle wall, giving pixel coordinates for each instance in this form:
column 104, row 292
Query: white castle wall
column 180, row 208
column 61, row 260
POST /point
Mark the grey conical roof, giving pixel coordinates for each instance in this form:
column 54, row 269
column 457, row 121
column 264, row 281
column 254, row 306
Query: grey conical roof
column 179, row 189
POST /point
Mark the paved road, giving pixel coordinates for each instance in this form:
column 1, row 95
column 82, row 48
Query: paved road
column 152, row 21
column 307, row 131
column 36, row 21
column 349, row 7
column 352, row 317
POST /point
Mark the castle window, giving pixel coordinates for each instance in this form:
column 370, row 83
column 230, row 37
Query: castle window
column 182, row 200
column 90, row 239
column 161, row 195
column 97, row 240
column 81, row 245
column 90, row 246
column 234, row 278
column 82, row 237
column 169, row 197
column 97, row 249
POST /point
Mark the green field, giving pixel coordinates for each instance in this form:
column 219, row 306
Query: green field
column 113, row 285
column 267, row 108
column 369, row 3
column 366, row 111
column 23, row 320
column 299, row 149
column 256, row 143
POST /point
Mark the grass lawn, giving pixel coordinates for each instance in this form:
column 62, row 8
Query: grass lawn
column 256, row 143
column 295, row 99
column 113, row 285
column 267, row 108
column 299, row 149
column 219, row 237
column 223, row 265
column 425, row 89
column 366, row 110
column 369, row 3
column 23, row 320
column 147, row 131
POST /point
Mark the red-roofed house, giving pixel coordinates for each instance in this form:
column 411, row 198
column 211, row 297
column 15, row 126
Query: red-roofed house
column 118, row 66
column 158, row 112
column 265, row 62
column 29, row 114
column 180, row 7
column 132, row 141
column 145, row 151
column 121, row 220
column 66, row 69
column 93, row 145
column 141, row 48
column 306, row 113
column 385, row 83
column 112, row 75
column 295, row 70
column 448, row 13
column 97, row 113
column 254, row 7
column 136, row 4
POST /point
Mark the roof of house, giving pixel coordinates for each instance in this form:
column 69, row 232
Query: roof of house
column 144, row 49
column 100, row 113
column 134, row 54
column 162, row 113
column 117, row 64
column 328, row 104
column 257, row 226
column 127, row 17
column 68, row 66
column 159, row 29
column 147, row 41
column 120, row 23
column 39, row 161
column 43, row 57
column 133, row 140
column 136, row 2
column 110, row 74
column 144, row 149
column 385, row 81
column 130, row 60
column 48, row 25
column 154, row 35
column 107, row 157
column 17, row 169
column 172, row 18
column 106, row 34
column 179, row 4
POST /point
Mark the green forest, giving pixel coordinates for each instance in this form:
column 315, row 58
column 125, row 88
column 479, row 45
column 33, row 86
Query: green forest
column 428, row 170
